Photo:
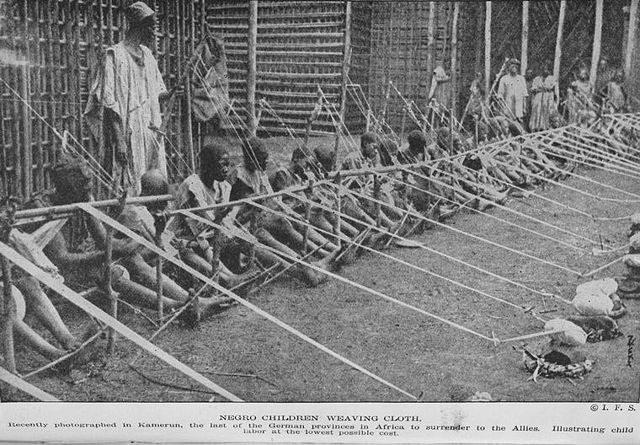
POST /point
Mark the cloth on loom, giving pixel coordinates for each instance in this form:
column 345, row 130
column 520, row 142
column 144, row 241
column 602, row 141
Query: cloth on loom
column 130, row 87
column 210, row 96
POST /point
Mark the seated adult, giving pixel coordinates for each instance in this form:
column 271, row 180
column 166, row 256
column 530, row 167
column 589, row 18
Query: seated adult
column 72, row 181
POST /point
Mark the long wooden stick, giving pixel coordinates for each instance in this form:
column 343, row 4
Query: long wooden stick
column 346, row 60
column 558, row 52
column 524, row 44
column 430, row 44
column 8, row 317
column 8, row 302
column 27, row 387
column 251, row 66
column 631, row 38
column 487, row 48
column 597, row 40
column 159, row 226
column 454, row 59
column 108, row 290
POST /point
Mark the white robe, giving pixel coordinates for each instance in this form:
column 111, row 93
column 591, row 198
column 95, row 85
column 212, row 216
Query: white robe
column 513, row 91
column 131, row 90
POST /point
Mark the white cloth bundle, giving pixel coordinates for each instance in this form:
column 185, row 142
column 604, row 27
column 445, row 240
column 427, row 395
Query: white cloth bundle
column 571, row 334
column 632, row 260
column 594, row 297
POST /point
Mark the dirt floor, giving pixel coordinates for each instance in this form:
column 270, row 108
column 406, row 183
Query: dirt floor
column 258, row 361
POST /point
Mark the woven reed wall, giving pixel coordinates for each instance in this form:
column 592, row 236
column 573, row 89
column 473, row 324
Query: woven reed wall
column 62, row 40
column 300, row 46
column 399, row 53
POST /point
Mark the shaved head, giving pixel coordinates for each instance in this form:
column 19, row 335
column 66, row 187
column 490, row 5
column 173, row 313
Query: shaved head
column 154, row 183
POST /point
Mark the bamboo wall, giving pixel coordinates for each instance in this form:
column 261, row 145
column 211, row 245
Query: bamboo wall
column 399, row 53
column 300, row 46
column 62, row 40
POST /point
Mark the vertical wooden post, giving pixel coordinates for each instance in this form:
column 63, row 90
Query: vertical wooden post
column 631, row 38
column 108, row 290
column 27, row 162
column 376, row 196
column 346, row 61
column 430, row 48
column 597, row 40
column 159, row 226
column 387, row 95
column 479, row 41
column 251, row 68
column 8, row 303
column 307, row 217
column 404, row 123
column 487, row 49
column 454, row 58
column 558, row 53
column 336, row 226
column 524, row 43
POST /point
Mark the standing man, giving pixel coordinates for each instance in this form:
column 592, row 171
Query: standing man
column 512, row 92
column 124, row 103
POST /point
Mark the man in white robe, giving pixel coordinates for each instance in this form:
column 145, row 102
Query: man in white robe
column 124, row 103
column 512, row 92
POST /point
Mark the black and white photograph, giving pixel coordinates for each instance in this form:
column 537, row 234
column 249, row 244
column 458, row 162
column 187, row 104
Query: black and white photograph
column 320, row 201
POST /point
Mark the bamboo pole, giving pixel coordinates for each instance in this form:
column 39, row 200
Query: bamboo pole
column 307, row 218
column 108, row 290
column 337, row 230
column 430, row 46
column 558, row 53
column 524, row 44
column 188, row 92
column 8, row 316
column 454, row 58
column 376, row 194
column 346, row 61
column 251, row 66
column 631, row 38
column 26, row 134
column 159, row 226
column 8, row 303
column 597, row 41
column 478, row 49
column 487, row 49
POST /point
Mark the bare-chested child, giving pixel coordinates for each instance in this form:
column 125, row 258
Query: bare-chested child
column 272, row 230
column 72, row 181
